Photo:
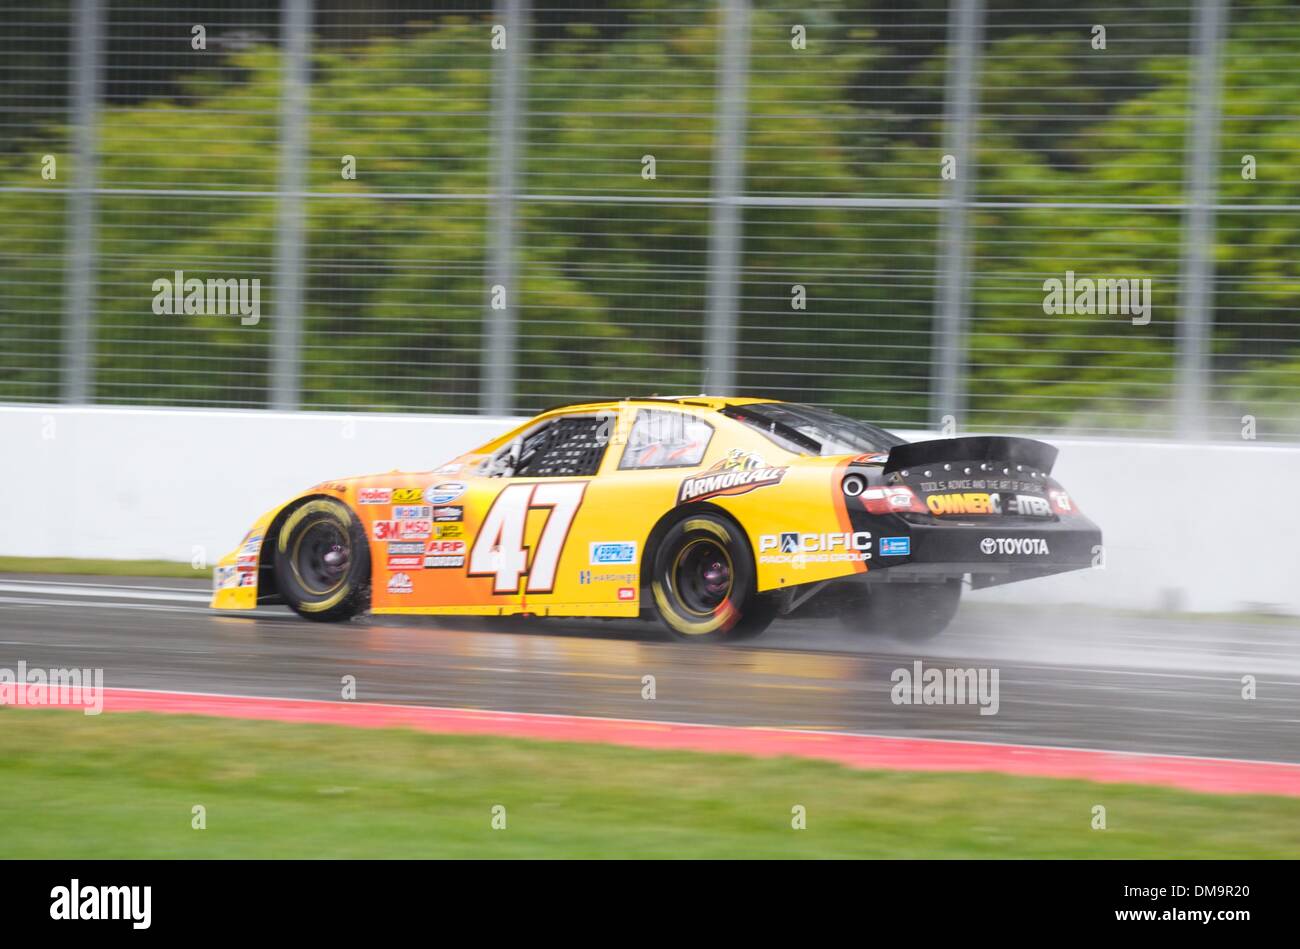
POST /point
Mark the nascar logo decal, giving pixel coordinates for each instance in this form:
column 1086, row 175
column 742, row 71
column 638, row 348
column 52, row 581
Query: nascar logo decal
column 443, row 493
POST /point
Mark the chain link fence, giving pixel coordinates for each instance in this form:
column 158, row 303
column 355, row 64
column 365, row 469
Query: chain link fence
column 1034, row 217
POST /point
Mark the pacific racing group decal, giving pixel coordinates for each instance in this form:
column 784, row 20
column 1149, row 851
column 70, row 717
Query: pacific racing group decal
column 799, row 547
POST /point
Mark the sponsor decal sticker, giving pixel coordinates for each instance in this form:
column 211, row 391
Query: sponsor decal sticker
column 627, row 593
column 445, row 547
column 375, row 496
column 612, row 552
column 739, row 473
column 405, row 561
column 407, row 495
column 1026, row 505
column 453, row 513
column 411, row 512
column 444, row 493
column 398, row 548
column 1028, row 546
column 895, row 546
column 968, row 503
column 586, row 576
column 1061, row 502
column 400, row 583
column 810, row 547
column 402, row 530
column 443, row 531
column 434, row 563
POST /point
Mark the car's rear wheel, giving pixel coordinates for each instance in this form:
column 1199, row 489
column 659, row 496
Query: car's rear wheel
column 909, row 611
column 704, row 583
column 322, row 561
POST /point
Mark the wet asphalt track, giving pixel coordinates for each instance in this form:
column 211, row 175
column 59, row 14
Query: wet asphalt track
column 1067, row 677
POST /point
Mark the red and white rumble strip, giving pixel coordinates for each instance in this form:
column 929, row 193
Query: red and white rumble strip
column 1212, row 775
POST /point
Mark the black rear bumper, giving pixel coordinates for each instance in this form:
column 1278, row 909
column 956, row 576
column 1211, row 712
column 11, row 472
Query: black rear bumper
column 991, row 554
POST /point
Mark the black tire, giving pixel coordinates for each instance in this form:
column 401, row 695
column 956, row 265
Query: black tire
column 322, row 561
column 703, row 582
column 912, row 612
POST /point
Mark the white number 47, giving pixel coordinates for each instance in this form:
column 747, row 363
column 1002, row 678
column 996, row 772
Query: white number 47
column 499, row 550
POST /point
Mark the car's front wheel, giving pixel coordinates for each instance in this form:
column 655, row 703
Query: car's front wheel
column 704, row 582
column 907, row 611
column 322, row 561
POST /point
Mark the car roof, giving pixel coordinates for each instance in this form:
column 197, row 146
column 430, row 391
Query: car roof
column 715, row 403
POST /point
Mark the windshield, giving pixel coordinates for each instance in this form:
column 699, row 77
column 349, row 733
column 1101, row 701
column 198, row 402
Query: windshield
column 809, row 431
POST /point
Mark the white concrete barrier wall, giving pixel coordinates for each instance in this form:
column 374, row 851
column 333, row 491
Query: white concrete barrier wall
column 1208, row 527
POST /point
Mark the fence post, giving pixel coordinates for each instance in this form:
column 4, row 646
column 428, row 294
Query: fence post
column 290, row 231
column 500, row 325
column 965, row 32
column 80, row 274
column 1195, row 322
column 725, row 224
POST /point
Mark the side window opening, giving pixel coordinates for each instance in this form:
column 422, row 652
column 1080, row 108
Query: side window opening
column 564, row 447
column 664, row 438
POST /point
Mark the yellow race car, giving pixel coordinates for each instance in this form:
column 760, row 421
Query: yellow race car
column 718, row 514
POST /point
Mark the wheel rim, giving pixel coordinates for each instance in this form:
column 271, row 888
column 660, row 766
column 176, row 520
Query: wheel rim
column 703, row 576
column 322, row 553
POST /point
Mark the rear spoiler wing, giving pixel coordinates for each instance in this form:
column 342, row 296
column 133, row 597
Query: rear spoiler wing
column 1001, row 449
